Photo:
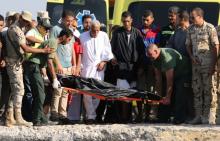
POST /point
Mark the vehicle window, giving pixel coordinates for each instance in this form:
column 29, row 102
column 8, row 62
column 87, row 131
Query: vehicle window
column 160, row 10
column 55, row 12
column 97, row 8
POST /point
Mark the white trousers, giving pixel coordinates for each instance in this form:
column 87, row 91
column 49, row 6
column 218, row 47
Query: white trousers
column 73, row 112
column 90, row 102
column 124, row 84
column 91, row 105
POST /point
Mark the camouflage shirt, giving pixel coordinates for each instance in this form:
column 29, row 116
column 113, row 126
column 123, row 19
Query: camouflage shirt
column 14, row 38
column 218, row 31
column 202, row 40
column 218, row 62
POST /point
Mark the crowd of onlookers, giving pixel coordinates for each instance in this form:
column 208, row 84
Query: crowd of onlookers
column 178, row 61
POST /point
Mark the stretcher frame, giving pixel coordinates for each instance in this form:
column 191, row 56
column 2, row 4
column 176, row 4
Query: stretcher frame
column 82, row 92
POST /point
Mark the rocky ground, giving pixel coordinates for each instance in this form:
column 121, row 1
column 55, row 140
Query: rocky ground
column 115, row 132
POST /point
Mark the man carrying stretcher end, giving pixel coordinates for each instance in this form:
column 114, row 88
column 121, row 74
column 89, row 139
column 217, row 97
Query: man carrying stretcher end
column 170, row 62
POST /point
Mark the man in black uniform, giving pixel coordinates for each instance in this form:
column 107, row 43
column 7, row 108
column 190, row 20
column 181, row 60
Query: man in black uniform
column 168, row 30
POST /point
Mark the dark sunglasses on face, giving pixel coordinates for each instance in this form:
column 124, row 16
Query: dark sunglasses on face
column 193, row 17
column 144, row 19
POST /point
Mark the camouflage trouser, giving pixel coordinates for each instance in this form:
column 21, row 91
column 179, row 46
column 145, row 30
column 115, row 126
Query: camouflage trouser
column 217, row 78
column 15, row 73
column 205, row 93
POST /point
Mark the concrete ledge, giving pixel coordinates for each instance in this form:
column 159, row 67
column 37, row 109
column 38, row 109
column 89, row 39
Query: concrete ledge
column 115, row 132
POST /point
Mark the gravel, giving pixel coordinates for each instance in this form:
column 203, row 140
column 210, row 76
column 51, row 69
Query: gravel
column 114, row 132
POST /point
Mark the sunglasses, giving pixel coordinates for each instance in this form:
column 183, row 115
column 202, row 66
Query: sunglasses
column 144, row 19
column 193, row 17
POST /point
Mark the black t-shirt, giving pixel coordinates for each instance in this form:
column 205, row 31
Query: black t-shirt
column 2, row 45
column 165, row 34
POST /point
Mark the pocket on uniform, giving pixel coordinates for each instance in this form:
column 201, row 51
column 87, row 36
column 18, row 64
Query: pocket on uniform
column 203, row 47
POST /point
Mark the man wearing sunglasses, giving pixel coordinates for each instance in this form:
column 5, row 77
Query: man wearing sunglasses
column 202, row 45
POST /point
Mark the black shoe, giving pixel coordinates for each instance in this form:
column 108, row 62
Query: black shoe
column 90, row 121
column 72, row 122
column 39, row 124
column 177, row 122
column 64, row 121
column 166, row 121
column 100, row 121
column 138, row 120
column 151, row 119
column 54, row 118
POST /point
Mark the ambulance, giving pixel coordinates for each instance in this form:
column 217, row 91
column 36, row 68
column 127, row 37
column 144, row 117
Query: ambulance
column 98, row 9
column 160, row 8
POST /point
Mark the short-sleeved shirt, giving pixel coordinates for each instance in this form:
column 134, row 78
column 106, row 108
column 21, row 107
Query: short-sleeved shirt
column 151, row 36
column 34, row 33
column 19, row 34
column 41, row 59
column 64, row 52
column 202, row 40
column 165, row 34
column 17, row 37
column 218, row 62
column 171, row 59
column 55, row 31
column 218, row 31
column 77, row 46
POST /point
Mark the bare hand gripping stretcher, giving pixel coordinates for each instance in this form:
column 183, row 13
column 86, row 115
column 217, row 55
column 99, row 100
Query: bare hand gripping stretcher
column 104, row 91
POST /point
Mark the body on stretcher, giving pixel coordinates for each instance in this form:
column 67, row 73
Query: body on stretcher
column 105, row 91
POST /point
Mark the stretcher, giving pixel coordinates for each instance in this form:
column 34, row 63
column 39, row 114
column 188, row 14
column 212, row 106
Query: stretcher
column 105, row 91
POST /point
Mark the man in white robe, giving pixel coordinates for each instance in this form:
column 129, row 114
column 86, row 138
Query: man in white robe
column 96, row 52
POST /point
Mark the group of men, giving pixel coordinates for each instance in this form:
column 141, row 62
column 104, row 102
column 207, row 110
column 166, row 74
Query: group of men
column 33, row 54
column 189, row 60
column 177, row 61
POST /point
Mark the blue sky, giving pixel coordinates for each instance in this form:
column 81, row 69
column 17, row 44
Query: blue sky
column 18, row 5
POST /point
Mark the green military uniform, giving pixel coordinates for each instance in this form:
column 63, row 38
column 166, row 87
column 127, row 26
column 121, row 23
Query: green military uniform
column 171, row 59
column 28, row 96
column 32, row 68
column 202, row 40
column 41, row 59
column 164, row 37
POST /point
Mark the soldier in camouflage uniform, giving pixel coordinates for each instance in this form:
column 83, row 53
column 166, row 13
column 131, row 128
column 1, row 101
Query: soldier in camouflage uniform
column 202, row 45
column 217, row 79
column 15, row 43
